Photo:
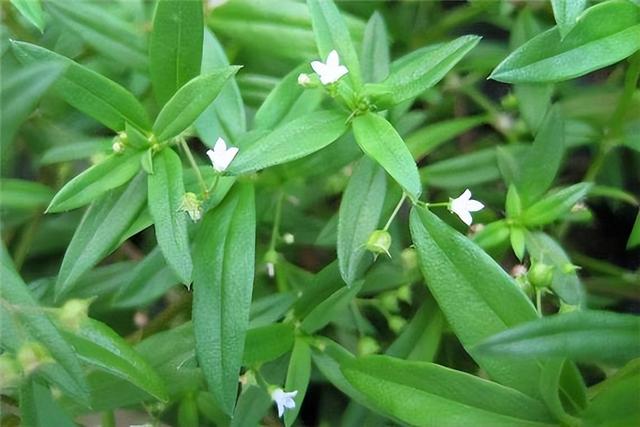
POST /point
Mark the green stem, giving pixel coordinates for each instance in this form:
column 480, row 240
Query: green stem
column 485, row 103
column 395, row 212
column 437, row 205
column 617, row 118
column 213, row 186
column 194, row 165
column 276, row 222
column 539, row 302
column 26, row 238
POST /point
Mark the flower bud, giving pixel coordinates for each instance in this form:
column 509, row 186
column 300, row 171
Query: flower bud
column 10, row 372
column 409, row 258
column 191, row 204
column 367, row 345
column 540, row 275
column 389, row 301
column 118, row 147
column 404, row 294
column 396, row 323
column 73, row 312
column 288, row 238
column 304, row 80
column 379, row 242
column 31, row 356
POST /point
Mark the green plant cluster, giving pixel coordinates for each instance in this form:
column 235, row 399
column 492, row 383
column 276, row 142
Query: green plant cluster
column 376, row 217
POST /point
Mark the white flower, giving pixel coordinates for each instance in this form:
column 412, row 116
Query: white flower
column 303, row 79
column 331, row 71
column 463, row 205
column 283, row 400
column 289, row 238
column 221, row 156
column 271, row 269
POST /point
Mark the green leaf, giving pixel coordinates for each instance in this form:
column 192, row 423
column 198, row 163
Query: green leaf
column 298, row 375
column 166, row 190
column 374, row 56
column 38, row 408
column 420, row 339
column 325, row 311
column 634, row 236
column 413, row 74
column 223, row 280
column 114, row 171
column 550, row 388
column 380, row 141
column 331, row 33
column 566, row 13
column 517, row 241
column 476, row 296
column 555, row 205
column 225, row 116
column 98, row 345
column 287, row 101
column 189, row 102
column 88, row 91
column 175, row 46
column 310, row 132
column 565, row 282
column 430, row 137
column 605, row 34
column 21, row 91
column 32, row 10
column 23, row 195
column 543, row 160
column 29, row 316
column 99, row 232
column 358, row 217
column 427, row 394
column 267, row 343
column 589, row 336
column 103, row 30
column 76, row 150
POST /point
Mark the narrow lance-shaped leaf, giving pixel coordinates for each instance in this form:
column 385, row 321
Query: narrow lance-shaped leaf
column 331, row 33
column 88, row 91
column 223, row 281
column 106, row 220
column 112, row 172
column 605, row 34
column 21, row 92
column 189, row 102
column 100, row 346
column 358, row 217
column 581, row 335
column 427, row 394
column 175, row 46
column 566, row 13
column 103, row 30
column 555, row 205
column 298, row 375
column 413, row 74
column 290, row 141
column 166, row 190
column 26, row 311
column 38, row 408
column 32, row 10
column 374, row 56
column 380, row 141
column 475, row 294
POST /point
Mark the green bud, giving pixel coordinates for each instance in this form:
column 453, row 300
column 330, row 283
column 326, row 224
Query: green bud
column 368, row 345
column 396, row 323
column 379, row 242
column 404, row 294
column 192, row 205
column 389, row 301
column 10, row 372
column 31, row 356
column 73, row 312
column 540, row 275
column 409, row 258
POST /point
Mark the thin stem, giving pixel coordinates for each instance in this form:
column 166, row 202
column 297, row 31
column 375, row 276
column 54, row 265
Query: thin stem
column 276, row 222
column 162, row 319
column 194, row 165
column 539, row 302
column 395, row 212
column 213, row 185
column 437, row 205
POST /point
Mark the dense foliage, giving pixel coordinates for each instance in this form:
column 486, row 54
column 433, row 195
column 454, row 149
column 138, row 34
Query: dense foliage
column 384, row 213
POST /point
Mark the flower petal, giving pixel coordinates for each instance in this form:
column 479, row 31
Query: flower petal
column 474, row 206
column 319, row 67
column 220, row 145
column 466, row 195
column 464, row 216
column 333, row 59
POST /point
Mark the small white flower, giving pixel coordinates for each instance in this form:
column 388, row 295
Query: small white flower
column 118, row 147
column 331, row 71
column 221, row 156
column 463, row 205
column 303, row 79
column 271, row 270
column 283, row 400
column 288, row 238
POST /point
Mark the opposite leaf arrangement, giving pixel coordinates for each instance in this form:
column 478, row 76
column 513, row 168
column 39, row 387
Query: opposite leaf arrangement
column 252, row 286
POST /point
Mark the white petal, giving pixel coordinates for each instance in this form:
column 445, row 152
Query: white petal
column 289, row 403
column 212, row 156
column 333, row 59
column 466, row 195
column 474, row 206
column 280, row 409
column 341, row 71
column 220, row 145
column 319, row 67
column 464, row 216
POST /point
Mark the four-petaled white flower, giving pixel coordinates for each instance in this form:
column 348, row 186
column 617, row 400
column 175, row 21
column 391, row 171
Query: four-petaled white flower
column 463, row 205
column 221, row 156
column 283, row 400
column 331, row 71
